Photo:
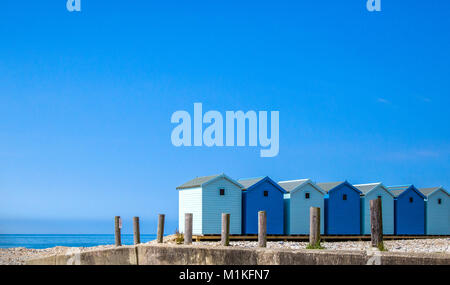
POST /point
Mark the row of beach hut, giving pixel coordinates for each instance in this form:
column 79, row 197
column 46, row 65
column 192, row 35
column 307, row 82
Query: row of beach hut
column 344, row 207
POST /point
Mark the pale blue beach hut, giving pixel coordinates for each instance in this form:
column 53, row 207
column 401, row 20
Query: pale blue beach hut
column 302, row 195
column 372, row 191
column 437, row 211
column 207, row 198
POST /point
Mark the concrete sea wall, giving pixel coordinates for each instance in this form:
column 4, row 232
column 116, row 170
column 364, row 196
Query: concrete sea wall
column 164, row 254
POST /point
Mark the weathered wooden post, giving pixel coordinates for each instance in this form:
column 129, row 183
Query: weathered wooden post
column 314, row 226
column 136, row 231
column 262, row 229
column 188, row 228
column 160, row 233
column 118, row 226
column 225, row 229
column 376, row 223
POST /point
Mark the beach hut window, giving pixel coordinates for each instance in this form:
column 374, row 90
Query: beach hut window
column 222, row 192
column 306, row 195
column 344, row 197
column 439, row 201
column 266, row 193
column 410, row 199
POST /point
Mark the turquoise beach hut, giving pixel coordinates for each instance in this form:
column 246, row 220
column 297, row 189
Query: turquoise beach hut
column 207, row 198
column 372, row 191
column 437, row 211
column 302, row 195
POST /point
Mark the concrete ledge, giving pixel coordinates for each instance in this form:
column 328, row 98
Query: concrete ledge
column 194, row 255
column 168, row 254
column 392, row 258
column 124, row 255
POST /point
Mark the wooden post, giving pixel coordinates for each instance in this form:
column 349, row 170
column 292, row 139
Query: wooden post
column 262, row 229
column 376, row 223
column 117, row 225
column 225, row 229
column 136, row 231
column 314, row 226
column 188, row 228
column 160, row 233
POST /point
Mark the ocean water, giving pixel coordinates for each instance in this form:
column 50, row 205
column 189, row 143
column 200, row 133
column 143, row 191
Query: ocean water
column 75, row 240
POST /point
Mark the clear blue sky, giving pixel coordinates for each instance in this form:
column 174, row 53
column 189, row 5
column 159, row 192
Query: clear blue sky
column 86, row 100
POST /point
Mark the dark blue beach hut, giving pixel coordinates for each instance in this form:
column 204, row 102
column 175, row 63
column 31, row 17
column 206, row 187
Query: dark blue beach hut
column 262, row 194
column 409, row 210
column 342, row 208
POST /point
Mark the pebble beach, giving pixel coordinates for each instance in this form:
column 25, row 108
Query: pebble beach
column 414, row 245
column 19, row 255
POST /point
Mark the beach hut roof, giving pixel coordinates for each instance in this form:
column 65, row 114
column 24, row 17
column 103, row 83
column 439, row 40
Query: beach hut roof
column 293, row 185
column 431, row 190
column 398, row 190
column 327, row 186
column 202, row 180
column 248, row 183
column 397, row 193
column 366, row 188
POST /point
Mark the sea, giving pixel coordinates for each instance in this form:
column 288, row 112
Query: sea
column 39, row 241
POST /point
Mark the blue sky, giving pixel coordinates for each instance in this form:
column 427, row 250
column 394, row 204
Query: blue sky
column 86, row 100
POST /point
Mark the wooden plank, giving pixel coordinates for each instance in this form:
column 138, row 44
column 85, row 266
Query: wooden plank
column 136, row 231
column 306, row 237
column 314, row 226
column 160, row 229
column 262, row 229
column 188, row 228
column 225, row 229
column 376, row 223
column 118, row 240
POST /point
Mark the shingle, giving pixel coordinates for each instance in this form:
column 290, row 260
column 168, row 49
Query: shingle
column 248, row 182
column 397, row 190
column 197, row 182
column 366, row 188
column 292, row 184
column 329, row 185
column 397, row 193
column 401, row 187
column 428, row 191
